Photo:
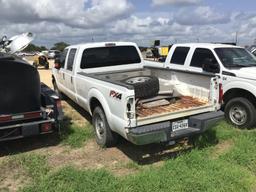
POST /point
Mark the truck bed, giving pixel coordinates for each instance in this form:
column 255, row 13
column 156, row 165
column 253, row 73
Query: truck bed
column 183, row 103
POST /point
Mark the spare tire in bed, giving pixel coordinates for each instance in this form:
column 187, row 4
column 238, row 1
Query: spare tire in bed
column 144, row 86
column 19, row 86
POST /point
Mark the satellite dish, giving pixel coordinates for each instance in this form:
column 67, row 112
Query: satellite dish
column 18, row 42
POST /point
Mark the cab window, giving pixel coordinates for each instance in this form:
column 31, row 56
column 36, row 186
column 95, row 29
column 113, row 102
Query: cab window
column 200, row 56
column 179, row 56
column 71, row 57
column 62, row 57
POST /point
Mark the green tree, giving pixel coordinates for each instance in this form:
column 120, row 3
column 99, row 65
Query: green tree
column 60, row 46
column 32, row 47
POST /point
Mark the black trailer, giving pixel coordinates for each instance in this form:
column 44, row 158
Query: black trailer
column 27, row 107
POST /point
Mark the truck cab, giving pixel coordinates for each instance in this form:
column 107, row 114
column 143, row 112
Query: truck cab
column 235, row 65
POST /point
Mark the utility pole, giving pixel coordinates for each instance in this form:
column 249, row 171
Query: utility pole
column 236, row 37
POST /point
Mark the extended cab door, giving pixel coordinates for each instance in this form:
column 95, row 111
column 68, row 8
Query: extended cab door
column 69, row 74
column 179, row 58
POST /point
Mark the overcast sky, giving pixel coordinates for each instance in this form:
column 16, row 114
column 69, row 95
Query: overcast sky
column 141, row 21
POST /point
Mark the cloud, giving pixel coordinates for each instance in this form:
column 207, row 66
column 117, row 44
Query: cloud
column 114, row 20
column 202, row 15
column 175, row 2
column 76, row 14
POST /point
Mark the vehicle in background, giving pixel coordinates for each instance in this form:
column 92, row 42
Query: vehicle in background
column 142, row 104
column 163, row 51
column 149, row 54
column 52, row 54
column 41, row 60
column 27, row 107
column 235, row 65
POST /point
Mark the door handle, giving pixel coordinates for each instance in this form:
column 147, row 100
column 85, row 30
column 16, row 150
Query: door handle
column 63, row 76
column 71, row 80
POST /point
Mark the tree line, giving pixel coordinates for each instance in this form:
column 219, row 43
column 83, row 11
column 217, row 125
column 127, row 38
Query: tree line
column 57, row 46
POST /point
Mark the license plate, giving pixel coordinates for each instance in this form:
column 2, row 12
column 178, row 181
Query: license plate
column 179, row 125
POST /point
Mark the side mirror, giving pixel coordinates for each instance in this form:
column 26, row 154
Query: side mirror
column 211, row 66
column 57, row 64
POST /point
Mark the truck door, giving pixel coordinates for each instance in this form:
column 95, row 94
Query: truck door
column 60, row 77
column 69, row 74
column 199, row 57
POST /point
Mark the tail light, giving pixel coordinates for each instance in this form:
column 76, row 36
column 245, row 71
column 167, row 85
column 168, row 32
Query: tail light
column 220, row 93
column 46, row 127
column 5, row 118
column 32, row 115
column 29, row 115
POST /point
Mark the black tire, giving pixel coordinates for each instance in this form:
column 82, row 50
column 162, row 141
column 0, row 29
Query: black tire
column 104, row 136
column 46, row 65
column 240, row 112
column 144, row 86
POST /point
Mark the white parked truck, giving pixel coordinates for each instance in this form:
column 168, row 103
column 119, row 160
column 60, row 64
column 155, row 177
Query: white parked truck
column 235, row 65
column 142, row 104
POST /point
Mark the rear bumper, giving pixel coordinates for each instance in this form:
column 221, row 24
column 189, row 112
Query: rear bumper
column 162, row 132
column 22, row 130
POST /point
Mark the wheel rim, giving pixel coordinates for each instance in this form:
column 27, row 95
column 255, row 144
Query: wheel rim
column 137, row 80
column 99, row 127
column 238, row 115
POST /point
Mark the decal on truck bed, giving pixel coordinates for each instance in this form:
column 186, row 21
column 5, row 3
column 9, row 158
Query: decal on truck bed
column 115, row 94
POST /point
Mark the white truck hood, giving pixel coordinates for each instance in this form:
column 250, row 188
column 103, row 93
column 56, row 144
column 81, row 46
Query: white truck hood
column 246, row 72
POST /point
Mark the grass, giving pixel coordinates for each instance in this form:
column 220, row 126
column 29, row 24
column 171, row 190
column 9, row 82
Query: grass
column 234, row 169
column 75, row 136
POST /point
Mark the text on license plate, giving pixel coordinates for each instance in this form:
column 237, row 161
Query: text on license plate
column 178, row 125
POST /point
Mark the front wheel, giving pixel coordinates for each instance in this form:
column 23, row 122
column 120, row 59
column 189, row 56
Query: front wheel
column 240, row 112
column 104, row 136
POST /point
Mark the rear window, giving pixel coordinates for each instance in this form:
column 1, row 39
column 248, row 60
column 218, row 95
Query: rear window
column 109, row 56
column 179, row 56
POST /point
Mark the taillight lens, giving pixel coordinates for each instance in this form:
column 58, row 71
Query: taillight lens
column 46, row 127
column 32, row 115
column 5, row 118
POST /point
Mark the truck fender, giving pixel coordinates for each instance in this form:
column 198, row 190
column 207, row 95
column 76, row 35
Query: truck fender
column 94, row 93
column 242, row 85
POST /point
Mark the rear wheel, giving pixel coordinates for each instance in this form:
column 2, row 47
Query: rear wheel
column 240, row 112
column 104, row 136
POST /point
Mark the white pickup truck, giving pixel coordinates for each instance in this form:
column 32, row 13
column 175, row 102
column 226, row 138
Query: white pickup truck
column 235, row 65
column 142, row 104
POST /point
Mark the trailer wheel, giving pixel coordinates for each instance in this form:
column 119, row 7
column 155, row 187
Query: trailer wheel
column 144, row 86
column 240, row 112
column 104, row 136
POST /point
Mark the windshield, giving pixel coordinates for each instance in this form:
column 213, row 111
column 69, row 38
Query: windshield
column 235, row 57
